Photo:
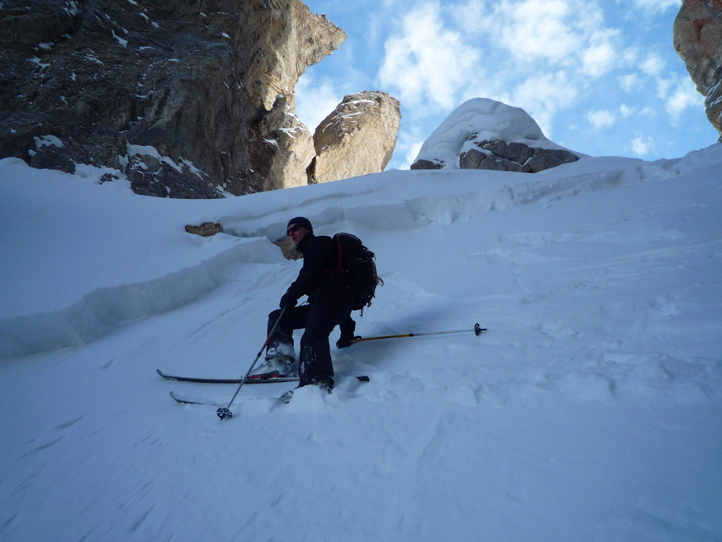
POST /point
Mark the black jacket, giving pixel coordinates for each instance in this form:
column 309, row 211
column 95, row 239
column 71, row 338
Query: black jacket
column 320, row 267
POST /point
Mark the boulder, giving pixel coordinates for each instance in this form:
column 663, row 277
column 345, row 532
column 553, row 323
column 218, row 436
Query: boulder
column 698, row 40
column 486, row 134
column 207, row 229
column 422, row 163
column 188, row 98
column 357, row 138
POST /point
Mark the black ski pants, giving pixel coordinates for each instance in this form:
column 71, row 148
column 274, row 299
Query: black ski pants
column 326, row 310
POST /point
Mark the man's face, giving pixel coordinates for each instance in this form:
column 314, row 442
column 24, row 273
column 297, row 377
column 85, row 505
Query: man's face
column 296, row 233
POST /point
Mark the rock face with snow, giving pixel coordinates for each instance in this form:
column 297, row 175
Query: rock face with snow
column 486, row 134
column 188, row 98
column 358, row 138
column 698, row 40
column 503, row 156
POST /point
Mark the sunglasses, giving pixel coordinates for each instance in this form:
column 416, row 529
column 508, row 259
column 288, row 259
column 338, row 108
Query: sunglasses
column 293, row 229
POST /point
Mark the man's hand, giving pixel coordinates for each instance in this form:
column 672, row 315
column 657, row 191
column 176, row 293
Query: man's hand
column 346, row 341
column 288, row 301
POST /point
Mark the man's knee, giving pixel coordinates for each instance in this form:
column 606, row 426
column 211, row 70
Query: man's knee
column 273, row 316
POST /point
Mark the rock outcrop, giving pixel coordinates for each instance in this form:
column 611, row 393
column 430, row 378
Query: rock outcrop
column 188, row 98
column 698, row 40
column 207, row 229
column 358, row 138
column 504, row 156
column 486, row 134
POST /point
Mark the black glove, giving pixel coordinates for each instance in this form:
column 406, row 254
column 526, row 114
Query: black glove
column 346, row 341
column 288, row 300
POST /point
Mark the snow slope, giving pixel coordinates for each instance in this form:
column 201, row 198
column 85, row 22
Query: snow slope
column 590, row 410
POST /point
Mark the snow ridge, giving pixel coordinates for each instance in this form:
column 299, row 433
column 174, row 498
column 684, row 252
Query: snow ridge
column 100, row 311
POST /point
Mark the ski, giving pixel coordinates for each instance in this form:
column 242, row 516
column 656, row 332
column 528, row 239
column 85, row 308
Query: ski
column 186, row 400
column 192, row 401
column 264, row 378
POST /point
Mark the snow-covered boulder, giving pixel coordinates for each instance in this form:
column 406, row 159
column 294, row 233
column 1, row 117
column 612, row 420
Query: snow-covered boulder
column 486, row 134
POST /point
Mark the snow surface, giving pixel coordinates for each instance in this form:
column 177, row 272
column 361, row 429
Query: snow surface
column 589, row 411
column 487, row 120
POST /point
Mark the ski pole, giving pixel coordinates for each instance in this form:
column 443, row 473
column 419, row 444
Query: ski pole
column 225, row 412
column 477, row 330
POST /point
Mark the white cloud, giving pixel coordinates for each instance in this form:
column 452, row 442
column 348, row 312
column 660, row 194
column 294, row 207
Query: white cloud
column 655, row 7
column 601, row 118
column 630, row 56
column 408, row 145
column 649, row 112
column 412, row 153
column 682, row 96
column 631, row 82
column 626, row 111
column 541, row 55
column 426, row 61
column 653, row 65
column 472, row 16
column 642, row 145
column 568, row 33
column 543, row 95
column 601, row 55
column 315, row 101
column 537, row 29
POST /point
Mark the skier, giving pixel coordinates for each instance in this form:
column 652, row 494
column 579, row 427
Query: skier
column 329, row 304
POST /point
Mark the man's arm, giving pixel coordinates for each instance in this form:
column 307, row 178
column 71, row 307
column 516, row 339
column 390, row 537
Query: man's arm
column 315, row 257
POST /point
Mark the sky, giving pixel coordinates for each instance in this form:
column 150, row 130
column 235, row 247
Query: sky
column 600, row 77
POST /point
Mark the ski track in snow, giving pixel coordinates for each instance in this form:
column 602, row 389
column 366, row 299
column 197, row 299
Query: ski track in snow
column 588, row 411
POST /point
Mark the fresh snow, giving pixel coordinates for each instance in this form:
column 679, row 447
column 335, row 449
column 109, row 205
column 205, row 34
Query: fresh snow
column 589, row 411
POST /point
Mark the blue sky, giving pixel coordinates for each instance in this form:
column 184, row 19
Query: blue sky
column 599, row 76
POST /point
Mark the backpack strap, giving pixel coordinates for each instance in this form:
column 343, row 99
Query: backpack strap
column 339, row 251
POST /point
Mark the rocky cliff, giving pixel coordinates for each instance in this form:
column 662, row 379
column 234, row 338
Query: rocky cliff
column 189, row 98
column 698, row 40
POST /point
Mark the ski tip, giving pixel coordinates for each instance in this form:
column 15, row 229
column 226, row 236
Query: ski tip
column 163, row 375
column 286, row 397
column 363, row 378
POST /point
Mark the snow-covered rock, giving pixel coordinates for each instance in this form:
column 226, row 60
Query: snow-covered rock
column 486, row 134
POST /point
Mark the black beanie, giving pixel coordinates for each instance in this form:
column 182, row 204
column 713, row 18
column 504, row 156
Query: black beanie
column 301, row 221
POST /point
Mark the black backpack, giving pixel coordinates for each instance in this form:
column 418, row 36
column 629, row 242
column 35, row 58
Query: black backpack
column 358, row 261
